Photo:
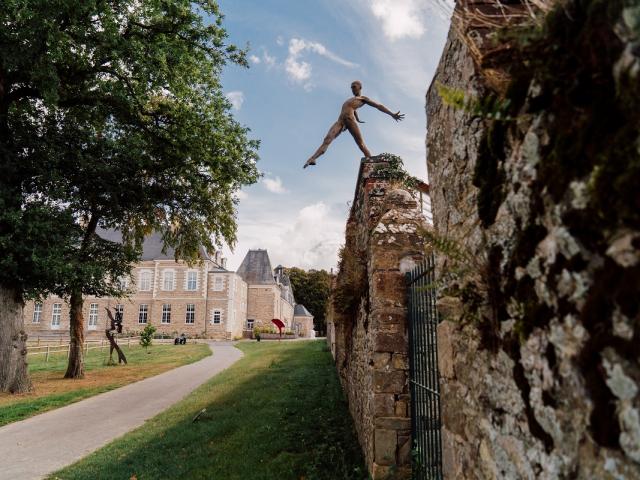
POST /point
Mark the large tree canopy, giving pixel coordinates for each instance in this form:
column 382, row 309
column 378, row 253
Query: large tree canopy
column 111, row 114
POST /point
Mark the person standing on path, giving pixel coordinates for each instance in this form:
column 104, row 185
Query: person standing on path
column 348, row 120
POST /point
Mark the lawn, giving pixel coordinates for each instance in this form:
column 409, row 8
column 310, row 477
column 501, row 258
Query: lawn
column 278, row 413
column 51, row 390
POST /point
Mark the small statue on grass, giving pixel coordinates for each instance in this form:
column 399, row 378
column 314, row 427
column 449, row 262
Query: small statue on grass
column 348, row 120
column 116, row 326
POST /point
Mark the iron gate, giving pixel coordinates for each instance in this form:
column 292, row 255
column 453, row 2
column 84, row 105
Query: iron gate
column 424, row 377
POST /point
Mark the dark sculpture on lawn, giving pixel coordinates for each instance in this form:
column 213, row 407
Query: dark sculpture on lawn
column 115, row 327
column 348, row 120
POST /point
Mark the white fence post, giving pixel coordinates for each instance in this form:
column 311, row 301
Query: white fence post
column 46, row 358
column 68, row 350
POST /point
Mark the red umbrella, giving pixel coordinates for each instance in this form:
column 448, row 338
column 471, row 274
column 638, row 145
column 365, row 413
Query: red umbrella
column 278, row 323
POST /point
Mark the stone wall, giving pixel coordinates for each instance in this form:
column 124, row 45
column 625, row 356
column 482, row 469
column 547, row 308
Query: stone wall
column 538, row 353
column 367, row 317
column 262, row 304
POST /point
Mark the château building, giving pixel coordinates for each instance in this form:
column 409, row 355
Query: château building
column 203, row 300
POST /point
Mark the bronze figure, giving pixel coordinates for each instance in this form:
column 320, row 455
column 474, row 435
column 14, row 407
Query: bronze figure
column 348, row 120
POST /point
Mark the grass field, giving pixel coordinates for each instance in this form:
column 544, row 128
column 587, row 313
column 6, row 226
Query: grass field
column 278, row 413
column 51, row 390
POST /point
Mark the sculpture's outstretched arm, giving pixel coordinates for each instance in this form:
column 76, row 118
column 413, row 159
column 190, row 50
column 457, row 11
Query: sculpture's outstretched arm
column 396, row 116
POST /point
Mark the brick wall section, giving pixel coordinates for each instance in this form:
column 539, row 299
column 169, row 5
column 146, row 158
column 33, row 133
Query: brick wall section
column 370, row 346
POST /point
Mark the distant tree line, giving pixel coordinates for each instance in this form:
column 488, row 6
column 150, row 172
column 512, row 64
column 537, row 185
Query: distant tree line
column 312, row 289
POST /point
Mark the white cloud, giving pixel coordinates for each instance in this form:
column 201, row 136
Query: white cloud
column 400, row 18
column 299, row 70
column 254, row 59
column 307, row 238
column 236, row 98
column 280, row 40
column 274, row 185
column 268, row 59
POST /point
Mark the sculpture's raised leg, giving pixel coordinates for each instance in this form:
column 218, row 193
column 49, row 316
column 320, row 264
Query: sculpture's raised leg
column 335, row 130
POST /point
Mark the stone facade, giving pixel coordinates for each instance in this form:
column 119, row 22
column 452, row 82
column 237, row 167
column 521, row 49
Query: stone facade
column 203, row 300
column 366, row 323
column 213, row 307
column 540, row 375
column 270, row 292
column 303, row 322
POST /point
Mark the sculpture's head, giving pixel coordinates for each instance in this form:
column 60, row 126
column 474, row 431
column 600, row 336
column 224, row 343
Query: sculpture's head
column 356, row 87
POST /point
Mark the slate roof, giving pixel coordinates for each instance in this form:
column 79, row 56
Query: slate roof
column 151, row 246
column 300, row 311
column 256, row 268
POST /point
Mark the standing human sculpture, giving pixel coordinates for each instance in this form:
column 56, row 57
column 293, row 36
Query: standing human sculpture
column 348, row 120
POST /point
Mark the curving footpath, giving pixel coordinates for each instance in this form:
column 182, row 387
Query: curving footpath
column 40, row 445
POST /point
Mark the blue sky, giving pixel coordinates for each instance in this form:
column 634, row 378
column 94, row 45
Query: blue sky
column 304, row 56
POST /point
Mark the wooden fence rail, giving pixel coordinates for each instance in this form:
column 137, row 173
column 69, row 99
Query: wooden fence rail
column 48, row 350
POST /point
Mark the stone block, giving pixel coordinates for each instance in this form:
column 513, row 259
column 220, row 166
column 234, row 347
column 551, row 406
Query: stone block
column 446, row 351
column 389, row 285
column 393, row 423
column 385, row 445
column 400, row 361
column 449, row 464
column 392, row 328
column 381, row 360
column 380, row 472
column 449, row 308
column 389, row 382
column 404, row 450
column 401, row 408
column 391, row 342
column 383, row 404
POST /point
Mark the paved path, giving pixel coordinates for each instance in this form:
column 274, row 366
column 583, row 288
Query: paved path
column 40, row 445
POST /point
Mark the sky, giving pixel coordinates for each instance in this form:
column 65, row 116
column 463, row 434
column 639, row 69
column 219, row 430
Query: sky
column 303, row 57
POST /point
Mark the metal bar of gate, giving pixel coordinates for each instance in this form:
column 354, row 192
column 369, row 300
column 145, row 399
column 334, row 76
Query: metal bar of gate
column 424, row 379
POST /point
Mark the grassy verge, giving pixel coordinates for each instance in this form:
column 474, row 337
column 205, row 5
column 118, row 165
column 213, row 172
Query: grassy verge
column 278, row 413
column 51, row 390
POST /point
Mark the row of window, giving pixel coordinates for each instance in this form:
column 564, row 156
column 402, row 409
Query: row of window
column 56, row 313
column 143, row 314
column 168, row 282
column 190, row 314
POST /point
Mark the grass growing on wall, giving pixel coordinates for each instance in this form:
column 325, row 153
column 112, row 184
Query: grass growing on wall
column 278, row 413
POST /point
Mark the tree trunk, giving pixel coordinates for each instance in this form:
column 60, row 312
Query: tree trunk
column 14, row 376
column 75, row 368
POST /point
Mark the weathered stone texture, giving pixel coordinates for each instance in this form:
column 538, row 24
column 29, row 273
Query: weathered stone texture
column 370, row 342
column 534, row 408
